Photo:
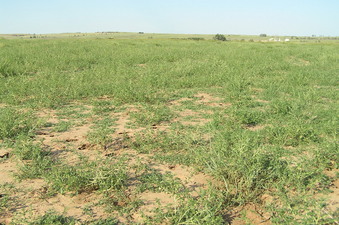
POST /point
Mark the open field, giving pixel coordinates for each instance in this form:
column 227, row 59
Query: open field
column 142, row 36
column 164, row 131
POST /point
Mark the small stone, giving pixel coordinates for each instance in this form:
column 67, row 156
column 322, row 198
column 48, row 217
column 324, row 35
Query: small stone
column 84, row 146
column 4, row 154
column 41, row 133
column 71, row 140
column 171, row 167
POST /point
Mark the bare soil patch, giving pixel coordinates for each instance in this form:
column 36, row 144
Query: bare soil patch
column 49, row 115
column 207, row 99
column 179, row 101
column 192, row 180
column 249, row 213
column 195, row 118
column 333, row 197
column 259, row 100
column 2, row 105
column 122, row 124
column 255, row 127
column 152, row 201
column 7, row 169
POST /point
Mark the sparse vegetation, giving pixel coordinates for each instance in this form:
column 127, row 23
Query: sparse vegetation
column 158, row 131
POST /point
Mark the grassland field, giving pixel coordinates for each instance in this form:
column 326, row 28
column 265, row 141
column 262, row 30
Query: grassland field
column 168, row 130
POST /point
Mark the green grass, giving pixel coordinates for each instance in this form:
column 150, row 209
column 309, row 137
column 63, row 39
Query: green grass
column 52, row 217
column 14, row 123
column 276, row 136
column 153, row 115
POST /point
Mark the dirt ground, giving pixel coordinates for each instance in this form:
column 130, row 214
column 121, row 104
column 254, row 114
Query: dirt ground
column 29, row 196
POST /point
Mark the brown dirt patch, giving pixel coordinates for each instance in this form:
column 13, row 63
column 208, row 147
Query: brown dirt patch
column 178, row 102
column 333, row 197
column 31, row 185
column 49, row 115
column 75, row 136
column 4, row 153
column 249, row 214
column 203, row 99
column 195, row 120
column 7, row 169
column 65, row 205
column 207, row 99
column 262, row 101
column 60, row 144
column 29, row 199
column 255, row 98
column 255, row 127
column 152, row 201
column 259, row 90
column 123, row 121
column 195, row 182
column 188, row 112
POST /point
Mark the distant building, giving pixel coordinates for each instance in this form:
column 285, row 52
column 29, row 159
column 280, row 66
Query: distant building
column 275, row 39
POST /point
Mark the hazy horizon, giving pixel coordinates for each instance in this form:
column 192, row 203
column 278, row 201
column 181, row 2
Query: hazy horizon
column 244, row 17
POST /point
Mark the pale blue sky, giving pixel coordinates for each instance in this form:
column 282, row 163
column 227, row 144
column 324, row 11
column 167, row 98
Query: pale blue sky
column 282, row 17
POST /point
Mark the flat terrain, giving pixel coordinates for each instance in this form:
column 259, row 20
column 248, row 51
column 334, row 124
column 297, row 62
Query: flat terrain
column 168, row 131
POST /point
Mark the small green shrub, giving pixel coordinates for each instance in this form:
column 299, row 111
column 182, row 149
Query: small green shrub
column 62, row 126
column 153, row 114
column 101, row 136
column 108, row 221
column 219, row 37
column 14, row 123
column 38, row 159
column 87, row 177
column 54, row 218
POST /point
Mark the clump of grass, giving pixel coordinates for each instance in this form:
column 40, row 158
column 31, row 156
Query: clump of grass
column 151, row 180
column 62, row 126
column 37, row 160
column 246, row 172
column 207, row 209
column 163, row 141
column 52, row 217
column 25, row 149
column 103, row 107
column 88, row 176
column 14, row 123
column 4, row 202
column 11, row 69
column 85, row 176
column 293, row 135
column 153, row 114
column 101, row 136
column 72, row 112
column 249, row 117
column 107, row 221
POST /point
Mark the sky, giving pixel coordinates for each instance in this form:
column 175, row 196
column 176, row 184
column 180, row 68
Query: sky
column 272, row 17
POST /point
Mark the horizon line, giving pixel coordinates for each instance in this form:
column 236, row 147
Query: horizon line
column 78, row 32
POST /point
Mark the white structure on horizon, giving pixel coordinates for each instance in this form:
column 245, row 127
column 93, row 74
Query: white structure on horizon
column 279, row 40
